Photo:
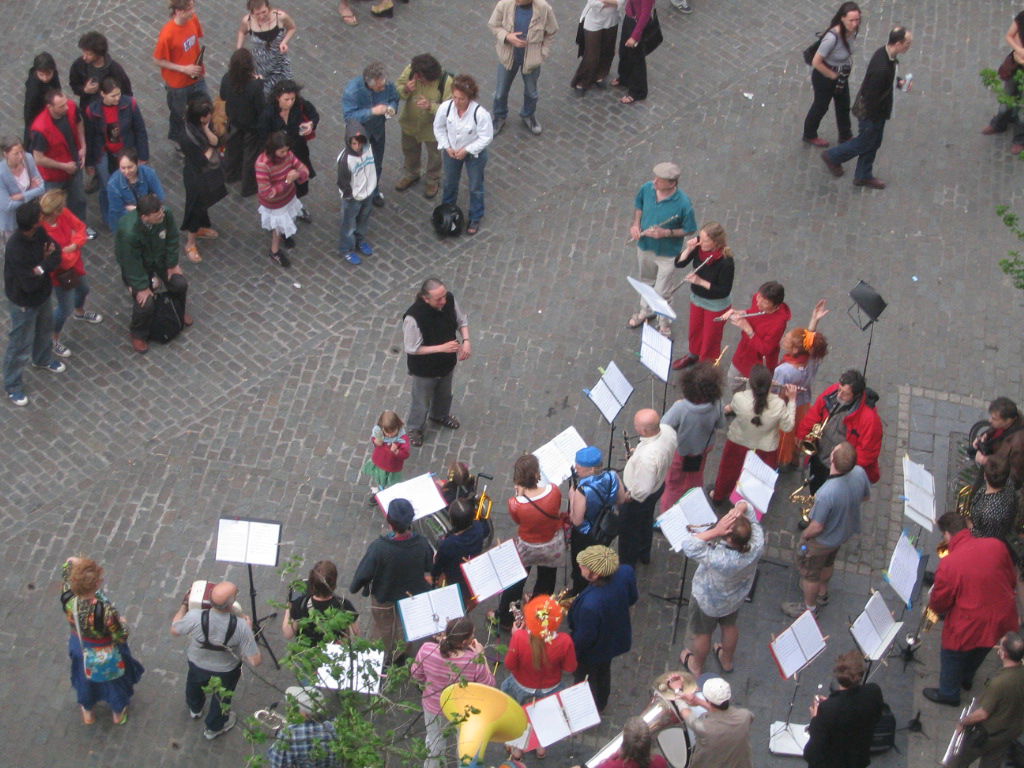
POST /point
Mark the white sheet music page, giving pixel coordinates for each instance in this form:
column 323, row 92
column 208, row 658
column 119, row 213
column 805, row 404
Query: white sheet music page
column 673, row 524
column 757, row 482
column 420, row 491
column 787, row 653
column 262, row 547
column 617, row 382
column 656, row 352
column 902, row 571
column 653, row 298
column 418, row 617
column 556, row 456
column 692, row 509
column 482, row 577
column 919, row 494
column 579, row 707
column 508, row 564
column 808, row 635
column 605, row 401
column 878, row 612
column 547, row 720
column 866, row 635
column 232, row 540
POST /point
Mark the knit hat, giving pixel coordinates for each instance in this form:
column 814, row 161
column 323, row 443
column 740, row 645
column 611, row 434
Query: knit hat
column 589, row 456
column 400, row 513
column 667, row 171
column 599, row 559
column 716, row 691
column 543, row 615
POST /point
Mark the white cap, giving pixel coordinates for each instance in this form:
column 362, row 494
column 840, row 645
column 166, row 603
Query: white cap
column 716, row 691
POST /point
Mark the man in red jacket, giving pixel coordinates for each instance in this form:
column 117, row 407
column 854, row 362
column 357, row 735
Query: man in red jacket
column 850, row 408
column 761, row 334
column 58, row 147
column 974, row 591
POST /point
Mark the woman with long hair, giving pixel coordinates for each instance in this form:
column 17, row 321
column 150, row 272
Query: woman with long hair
column 712, row 268
column 803, row 349
column 269, row 31
column 278, row 174
column 694, row 418
column 457, row 656
column 760, row 415
column 288, row 111
column 242, row 92
column 203, row 175
column 830, row 75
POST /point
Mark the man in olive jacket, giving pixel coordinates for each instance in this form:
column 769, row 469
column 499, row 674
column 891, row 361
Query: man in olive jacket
column 147, row 247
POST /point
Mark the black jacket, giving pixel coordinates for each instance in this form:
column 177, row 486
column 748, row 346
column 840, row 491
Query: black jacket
column 21, row 284
column 79, row 76
column 243, row 107
column 876, row 90
column 840, row 734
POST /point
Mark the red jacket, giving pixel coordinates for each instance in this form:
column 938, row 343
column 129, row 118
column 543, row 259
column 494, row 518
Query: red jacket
column 863, row 428
column 764, row 347
column 67, row 230
column 59, row 150
column 383, row 458
column 974, row 589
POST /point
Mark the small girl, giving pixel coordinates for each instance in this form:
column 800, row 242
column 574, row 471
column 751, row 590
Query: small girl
column 278, row 172
column 803, row 349
column 390, row 450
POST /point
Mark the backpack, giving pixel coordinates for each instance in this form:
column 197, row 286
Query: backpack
column 448, row 220
column 605, row 527
column 812, row 49
column 168, row 317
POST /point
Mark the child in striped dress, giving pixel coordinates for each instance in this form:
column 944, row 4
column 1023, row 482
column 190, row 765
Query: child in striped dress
column 278, row 171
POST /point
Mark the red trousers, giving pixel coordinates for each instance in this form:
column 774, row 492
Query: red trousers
column 679, row 482
column 731, row 466
column 705, row 334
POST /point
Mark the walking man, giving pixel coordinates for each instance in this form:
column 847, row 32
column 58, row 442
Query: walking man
column 524, row 29
column 872, row 107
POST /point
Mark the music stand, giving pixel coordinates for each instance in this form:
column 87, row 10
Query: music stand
column 656, row 356
column 251, row 542
column 794, row 649
column 610, row 395
column 867, row 300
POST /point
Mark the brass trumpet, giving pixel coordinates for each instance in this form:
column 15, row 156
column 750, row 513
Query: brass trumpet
column 804, row 500
column 809, row 445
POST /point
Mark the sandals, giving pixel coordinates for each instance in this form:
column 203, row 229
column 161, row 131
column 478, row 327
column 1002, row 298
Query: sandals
column 627, row 99
column 638, row 319
column 349, row 18
column 473, row 228
column 193, row 254
column 416, row 437
column 718, row 658
column 123, row 716
column 448, row 422
column 684, row 659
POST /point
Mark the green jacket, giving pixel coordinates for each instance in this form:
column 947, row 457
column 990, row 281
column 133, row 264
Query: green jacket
column 416, row 122
column 144, row 251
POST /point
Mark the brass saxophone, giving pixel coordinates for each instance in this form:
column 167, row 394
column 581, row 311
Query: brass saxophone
column 963, row 502
column 804, row 500
column 809, row 445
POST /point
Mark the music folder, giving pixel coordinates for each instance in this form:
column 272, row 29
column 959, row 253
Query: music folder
column 496, row 569
column 428, row 613
column 562, row 714
column 557, row 456
column 756, row 485
column 420, row 491
column 798, row 645
column 247, row 540
column 875, row 628
column 691, row 514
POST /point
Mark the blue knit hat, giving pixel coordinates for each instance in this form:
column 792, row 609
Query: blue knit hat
column 400, row 513
column 589, row 456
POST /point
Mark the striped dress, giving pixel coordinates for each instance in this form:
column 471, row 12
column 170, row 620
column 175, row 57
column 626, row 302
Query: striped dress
column 272, row 65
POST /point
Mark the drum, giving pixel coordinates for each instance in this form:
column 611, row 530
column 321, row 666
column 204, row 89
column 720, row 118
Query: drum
column 674, row 744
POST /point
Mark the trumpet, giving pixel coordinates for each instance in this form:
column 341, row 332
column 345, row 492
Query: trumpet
column 809, row 445
column 484, row 502
column 805, row 500
column 964, row 497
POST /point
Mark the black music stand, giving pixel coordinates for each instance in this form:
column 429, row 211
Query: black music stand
column 867, row 300
column 610, row 395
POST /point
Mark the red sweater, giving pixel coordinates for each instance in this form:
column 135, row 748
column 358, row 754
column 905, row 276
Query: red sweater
column 383, row 458
column 67, row 230
column 272, row 190
column 560, row 657
column 537, row 526
column 974, row 589
column 764, row 347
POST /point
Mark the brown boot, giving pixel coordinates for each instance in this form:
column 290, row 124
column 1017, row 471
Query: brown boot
column 140, row 345
column 405, row 182
column 430, row 190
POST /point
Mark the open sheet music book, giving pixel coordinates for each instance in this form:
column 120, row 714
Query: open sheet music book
column 757, row 483
column 903, row 567
column 798, row 645
column 653, row 298
column 420, row 491
column 427, row 613
column 357, row 671
column 919, row 493
column 254, row 542
column 496, row 569
column 562, row 714
column 557, row 456
column 875, row 628
column 693, row 509
column 656, row 352
column 611, row 392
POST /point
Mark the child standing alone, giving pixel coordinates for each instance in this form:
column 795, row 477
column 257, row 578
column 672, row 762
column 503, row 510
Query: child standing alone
column 390, row 450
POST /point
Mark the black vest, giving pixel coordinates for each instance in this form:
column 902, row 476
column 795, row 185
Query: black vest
column 437, row 327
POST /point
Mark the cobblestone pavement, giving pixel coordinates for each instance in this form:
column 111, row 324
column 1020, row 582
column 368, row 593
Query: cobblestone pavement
column 263, row 408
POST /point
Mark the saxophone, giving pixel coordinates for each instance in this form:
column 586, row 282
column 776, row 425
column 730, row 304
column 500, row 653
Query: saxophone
column 805, row 500
column 809, row 445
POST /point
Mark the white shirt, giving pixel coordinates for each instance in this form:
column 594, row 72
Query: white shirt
column 471, row 131
column 646, row 469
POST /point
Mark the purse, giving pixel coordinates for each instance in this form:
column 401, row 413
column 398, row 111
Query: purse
column 652, row 36
column 68, row 279
column 1008, row 68
column 580, row 39
column 101, row 663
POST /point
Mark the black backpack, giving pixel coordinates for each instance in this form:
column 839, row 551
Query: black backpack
column 168, row 317
column 812, row 49
column 606, row 522
column 448, row 220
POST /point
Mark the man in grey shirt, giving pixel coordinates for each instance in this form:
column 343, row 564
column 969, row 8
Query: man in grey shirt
column 835, row 517
column 220, row 640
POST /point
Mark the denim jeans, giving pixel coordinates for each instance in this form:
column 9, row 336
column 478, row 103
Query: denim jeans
column 505, row 78
column 863, row 146
column 177, row 100
column 30, row 338
column 957, row 668
column 354, row 217
column 1007, row 115
column 475, row 176
column 524, row 695
column 75, row 188
column 195, row 698
column 103, row 176
column 66, row 298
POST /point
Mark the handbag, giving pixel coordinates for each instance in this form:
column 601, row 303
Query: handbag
column 859, row 108
column 606, row 523
column 214, row 189
column 652, row 36
column 101, row 663
column 68, row 279
column 1008, row 68
column 812, row 49
column 580, row 39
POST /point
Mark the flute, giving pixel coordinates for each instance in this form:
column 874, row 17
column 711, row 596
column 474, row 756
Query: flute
column 776, row 387
column 740, row 316
column 686, row 279
column 662, row 224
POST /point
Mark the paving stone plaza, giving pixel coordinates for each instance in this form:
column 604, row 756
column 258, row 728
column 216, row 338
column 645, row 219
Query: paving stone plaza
column 264, row 407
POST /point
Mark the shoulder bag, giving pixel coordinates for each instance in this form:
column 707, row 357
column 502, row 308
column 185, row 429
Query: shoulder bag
column 101, row 663
column 652, row 36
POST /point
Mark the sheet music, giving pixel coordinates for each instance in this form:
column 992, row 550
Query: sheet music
column 420, row 491
column 808, row 635
column 903, row 566
column 508, row 564
column 798, row 644
column 653, row 298
column 547, row 720
column 865, row 634
column 656, row 352
column 232, row 537
column 617, row 382
column 264, row 539
column 248, row 541
column 358, row 671
column 579, row 707
column 919, row 493
column 757, row 482
column 427, row 613
column 787, row 653
column 878, row 612
column 692, row 509
column 482, row 577
column 601, row 395
column 557, row 456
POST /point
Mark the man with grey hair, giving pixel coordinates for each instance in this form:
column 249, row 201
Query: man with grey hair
column 371, row 99
column 219, row 643
column 431, row 328
column 662, row 218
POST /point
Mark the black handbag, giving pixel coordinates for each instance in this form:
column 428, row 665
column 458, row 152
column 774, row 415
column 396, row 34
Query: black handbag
column 812, row 49
column 168, row 317
column 580, row 39
column 652, row 36
column 214, row 189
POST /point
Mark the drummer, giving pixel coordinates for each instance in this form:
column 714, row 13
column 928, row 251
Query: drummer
column 722, row 730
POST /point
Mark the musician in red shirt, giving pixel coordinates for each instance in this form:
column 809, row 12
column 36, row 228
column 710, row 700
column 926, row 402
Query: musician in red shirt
column 762, row 325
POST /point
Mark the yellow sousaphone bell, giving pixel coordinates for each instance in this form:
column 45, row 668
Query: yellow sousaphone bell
column 486, row 715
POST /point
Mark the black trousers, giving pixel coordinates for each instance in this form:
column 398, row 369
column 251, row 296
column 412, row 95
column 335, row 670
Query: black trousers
column 577, row 543
column 600, row 677
column 825, row 92
column 632, row 63
column 546, row 578
column 818, row 473
column 142, row 317
column 636, row 528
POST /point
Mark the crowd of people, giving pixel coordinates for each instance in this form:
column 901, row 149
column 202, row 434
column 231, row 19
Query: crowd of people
column 764, row 400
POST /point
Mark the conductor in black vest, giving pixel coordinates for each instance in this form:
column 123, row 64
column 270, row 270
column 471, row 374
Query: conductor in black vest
column 431, row 328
